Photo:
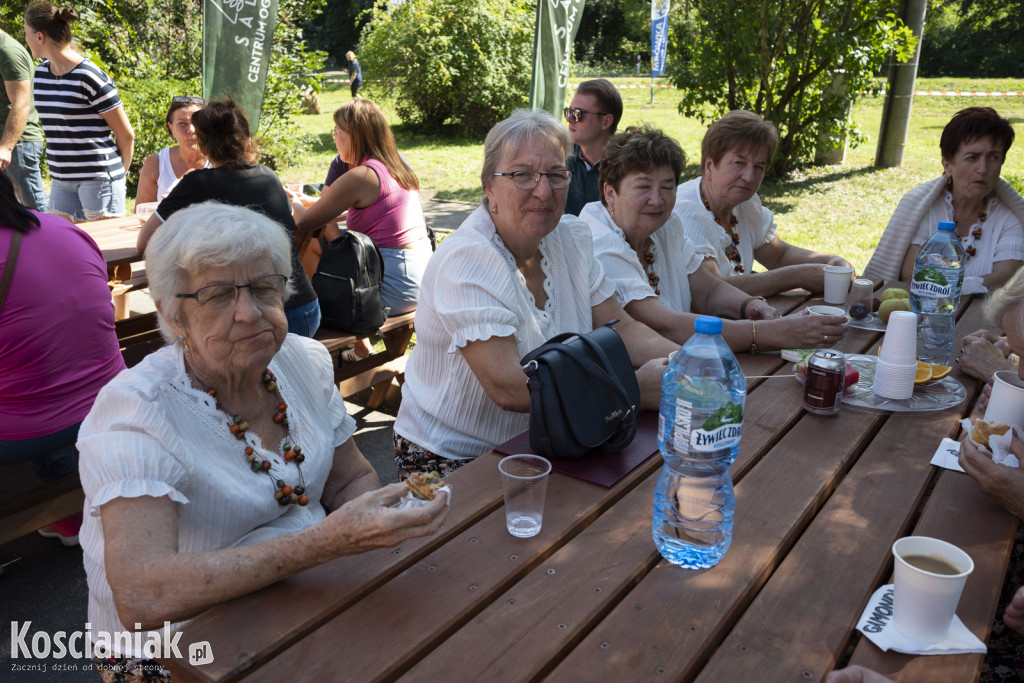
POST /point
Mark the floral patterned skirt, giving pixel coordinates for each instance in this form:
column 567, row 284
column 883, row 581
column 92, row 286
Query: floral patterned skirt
column 411, row 458
column 131, row 670
column 1005, row 658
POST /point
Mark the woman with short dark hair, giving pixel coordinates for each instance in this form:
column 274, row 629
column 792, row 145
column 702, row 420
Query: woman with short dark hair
column 222, row 131
column 988, row 213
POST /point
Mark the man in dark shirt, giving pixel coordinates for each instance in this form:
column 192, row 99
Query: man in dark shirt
column 593, row 117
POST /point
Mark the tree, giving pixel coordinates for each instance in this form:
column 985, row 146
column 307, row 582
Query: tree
column 798, row 64
column 336, row 30
column 974, row 38
column 466, row 62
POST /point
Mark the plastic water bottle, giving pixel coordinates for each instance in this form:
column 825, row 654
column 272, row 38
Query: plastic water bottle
column 703, row 391
column 935, row 293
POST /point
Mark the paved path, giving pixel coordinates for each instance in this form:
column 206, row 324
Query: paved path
column 44, row 582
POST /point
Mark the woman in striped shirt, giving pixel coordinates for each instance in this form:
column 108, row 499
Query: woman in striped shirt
column 80, row 110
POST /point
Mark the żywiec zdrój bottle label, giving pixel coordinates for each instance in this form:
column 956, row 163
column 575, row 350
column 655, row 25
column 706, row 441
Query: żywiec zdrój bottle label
column 722, row 429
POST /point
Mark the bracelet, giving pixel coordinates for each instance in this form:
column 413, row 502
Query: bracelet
column 753, row 337
column 743, row 306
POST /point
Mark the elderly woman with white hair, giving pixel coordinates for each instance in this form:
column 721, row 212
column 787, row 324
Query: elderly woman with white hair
column 224, row 461
column 516, row 273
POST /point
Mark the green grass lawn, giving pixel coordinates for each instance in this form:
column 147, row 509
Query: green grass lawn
column 839, row 209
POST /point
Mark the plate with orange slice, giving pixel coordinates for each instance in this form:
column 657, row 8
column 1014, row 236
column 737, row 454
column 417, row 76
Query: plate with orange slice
column 934, row 389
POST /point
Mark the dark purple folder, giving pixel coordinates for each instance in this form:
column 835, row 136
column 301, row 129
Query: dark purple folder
column 603, row 469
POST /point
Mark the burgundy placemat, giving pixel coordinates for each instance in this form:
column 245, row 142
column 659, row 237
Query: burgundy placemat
column 603, row 469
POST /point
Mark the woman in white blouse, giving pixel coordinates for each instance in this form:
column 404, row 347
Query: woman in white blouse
column 224, row 461
column 721, row 208
column 514, row 274
column 657, row 270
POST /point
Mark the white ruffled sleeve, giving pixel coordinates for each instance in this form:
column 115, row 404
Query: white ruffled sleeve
column 1010, row 245
column 620, row 266
column 768, row 228
column 126, row 450
column 473, row 295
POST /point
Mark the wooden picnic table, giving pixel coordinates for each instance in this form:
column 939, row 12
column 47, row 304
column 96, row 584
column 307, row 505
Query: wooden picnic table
column 819, row 502
column 116, row 238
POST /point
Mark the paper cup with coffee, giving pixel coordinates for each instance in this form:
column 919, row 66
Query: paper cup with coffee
column 1006, row 404
column 929, row 577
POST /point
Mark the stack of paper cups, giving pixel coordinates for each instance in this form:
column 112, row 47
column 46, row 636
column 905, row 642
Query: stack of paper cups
column 897, row 361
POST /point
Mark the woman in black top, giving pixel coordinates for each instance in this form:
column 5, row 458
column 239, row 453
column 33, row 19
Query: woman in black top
column 233, row 178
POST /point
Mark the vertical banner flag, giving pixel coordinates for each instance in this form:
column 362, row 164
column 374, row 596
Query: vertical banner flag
column 237, row 35
column 659, row 36
column 557, row 22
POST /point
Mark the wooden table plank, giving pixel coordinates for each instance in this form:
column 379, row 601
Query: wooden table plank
column 452, row 586
column 846, row 546
column 301, row 603
column 687, row 613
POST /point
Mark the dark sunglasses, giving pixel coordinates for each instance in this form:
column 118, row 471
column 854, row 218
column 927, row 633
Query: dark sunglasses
column 188, row 99
column 576, row 115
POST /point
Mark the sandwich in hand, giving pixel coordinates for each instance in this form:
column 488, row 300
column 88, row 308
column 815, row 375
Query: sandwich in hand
column 983, row 430
column 425, row 485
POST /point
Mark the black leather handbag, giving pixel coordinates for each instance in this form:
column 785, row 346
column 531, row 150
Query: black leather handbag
column 347, row 283
column 583, row 394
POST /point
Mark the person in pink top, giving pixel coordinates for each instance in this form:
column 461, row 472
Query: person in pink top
column 381, row 194
column 58, row 347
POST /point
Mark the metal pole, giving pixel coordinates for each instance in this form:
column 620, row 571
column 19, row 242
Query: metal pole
column 892, row 136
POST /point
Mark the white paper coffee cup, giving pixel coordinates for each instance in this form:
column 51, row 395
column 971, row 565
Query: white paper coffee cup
column 924, row 602
column 837, row 284
column 1006, row 404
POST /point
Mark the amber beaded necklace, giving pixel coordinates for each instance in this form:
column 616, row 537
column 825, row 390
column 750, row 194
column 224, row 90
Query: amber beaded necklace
column 646, row 254
column 976, row 232
column 731, row 252
column 284, row 493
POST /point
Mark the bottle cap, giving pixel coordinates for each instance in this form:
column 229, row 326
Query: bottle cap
column 947, row 225
column 707, row 324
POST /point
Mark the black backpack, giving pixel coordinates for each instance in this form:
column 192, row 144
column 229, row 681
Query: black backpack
column 347, row 282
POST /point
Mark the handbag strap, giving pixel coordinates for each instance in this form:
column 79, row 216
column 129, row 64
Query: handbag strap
column 12, row 257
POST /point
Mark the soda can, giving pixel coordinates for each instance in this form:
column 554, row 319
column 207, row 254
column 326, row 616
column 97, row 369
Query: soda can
column 823, row 389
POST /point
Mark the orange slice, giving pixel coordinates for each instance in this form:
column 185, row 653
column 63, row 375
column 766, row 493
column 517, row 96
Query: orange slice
column 924, row 373
column 940, row 371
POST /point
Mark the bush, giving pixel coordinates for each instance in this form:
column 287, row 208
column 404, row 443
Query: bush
column 799, row 65
column 466, row 62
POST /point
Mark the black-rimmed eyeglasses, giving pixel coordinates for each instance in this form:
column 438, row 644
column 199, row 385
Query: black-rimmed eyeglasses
column 188, row 99
column 527, row 180
column 266, row 290
column 576, row 115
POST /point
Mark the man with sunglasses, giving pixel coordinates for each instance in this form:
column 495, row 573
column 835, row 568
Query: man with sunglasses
column 593, row 115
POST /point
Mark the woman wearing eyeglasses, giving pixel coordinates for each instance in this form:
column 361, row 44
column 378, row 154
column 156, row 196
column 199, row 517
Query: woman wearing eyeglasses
column 224, row 461
column 516, row 273
column 222, row 132
column 380, row 193
column 163, row 170
column 721, row 209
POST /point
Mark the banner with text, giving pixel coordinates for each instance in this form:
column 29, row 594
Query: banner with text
column 237, row 35
column 659, row 36
column 557, row 23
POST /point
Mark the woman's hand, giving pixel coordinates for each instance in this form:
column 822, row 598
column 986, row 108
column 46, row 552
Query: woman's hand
column 838, row 261
column 648, row 376
column 803, row 331
column 369, row 522
column 982, row 354
column 761, row 310
column 1003, row 484
column 1014, row 615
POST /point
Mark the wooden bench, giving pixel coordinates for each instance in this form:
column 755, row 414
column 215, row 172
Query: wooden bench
column 378, row 369
column 138, row 336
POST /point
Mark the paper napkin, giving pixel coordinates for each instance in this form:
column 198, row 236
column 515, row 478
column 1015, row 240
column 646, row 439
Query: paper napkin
column 948, row 455
column 972, row 285
column 877, row 625
column 411, row 501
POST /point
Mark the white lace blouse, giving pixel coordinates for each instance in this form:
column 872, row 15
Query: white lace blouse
column 1002, row 236
column 755, row 226
column 151, row 434
column 473, row 291
column 675, row 259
